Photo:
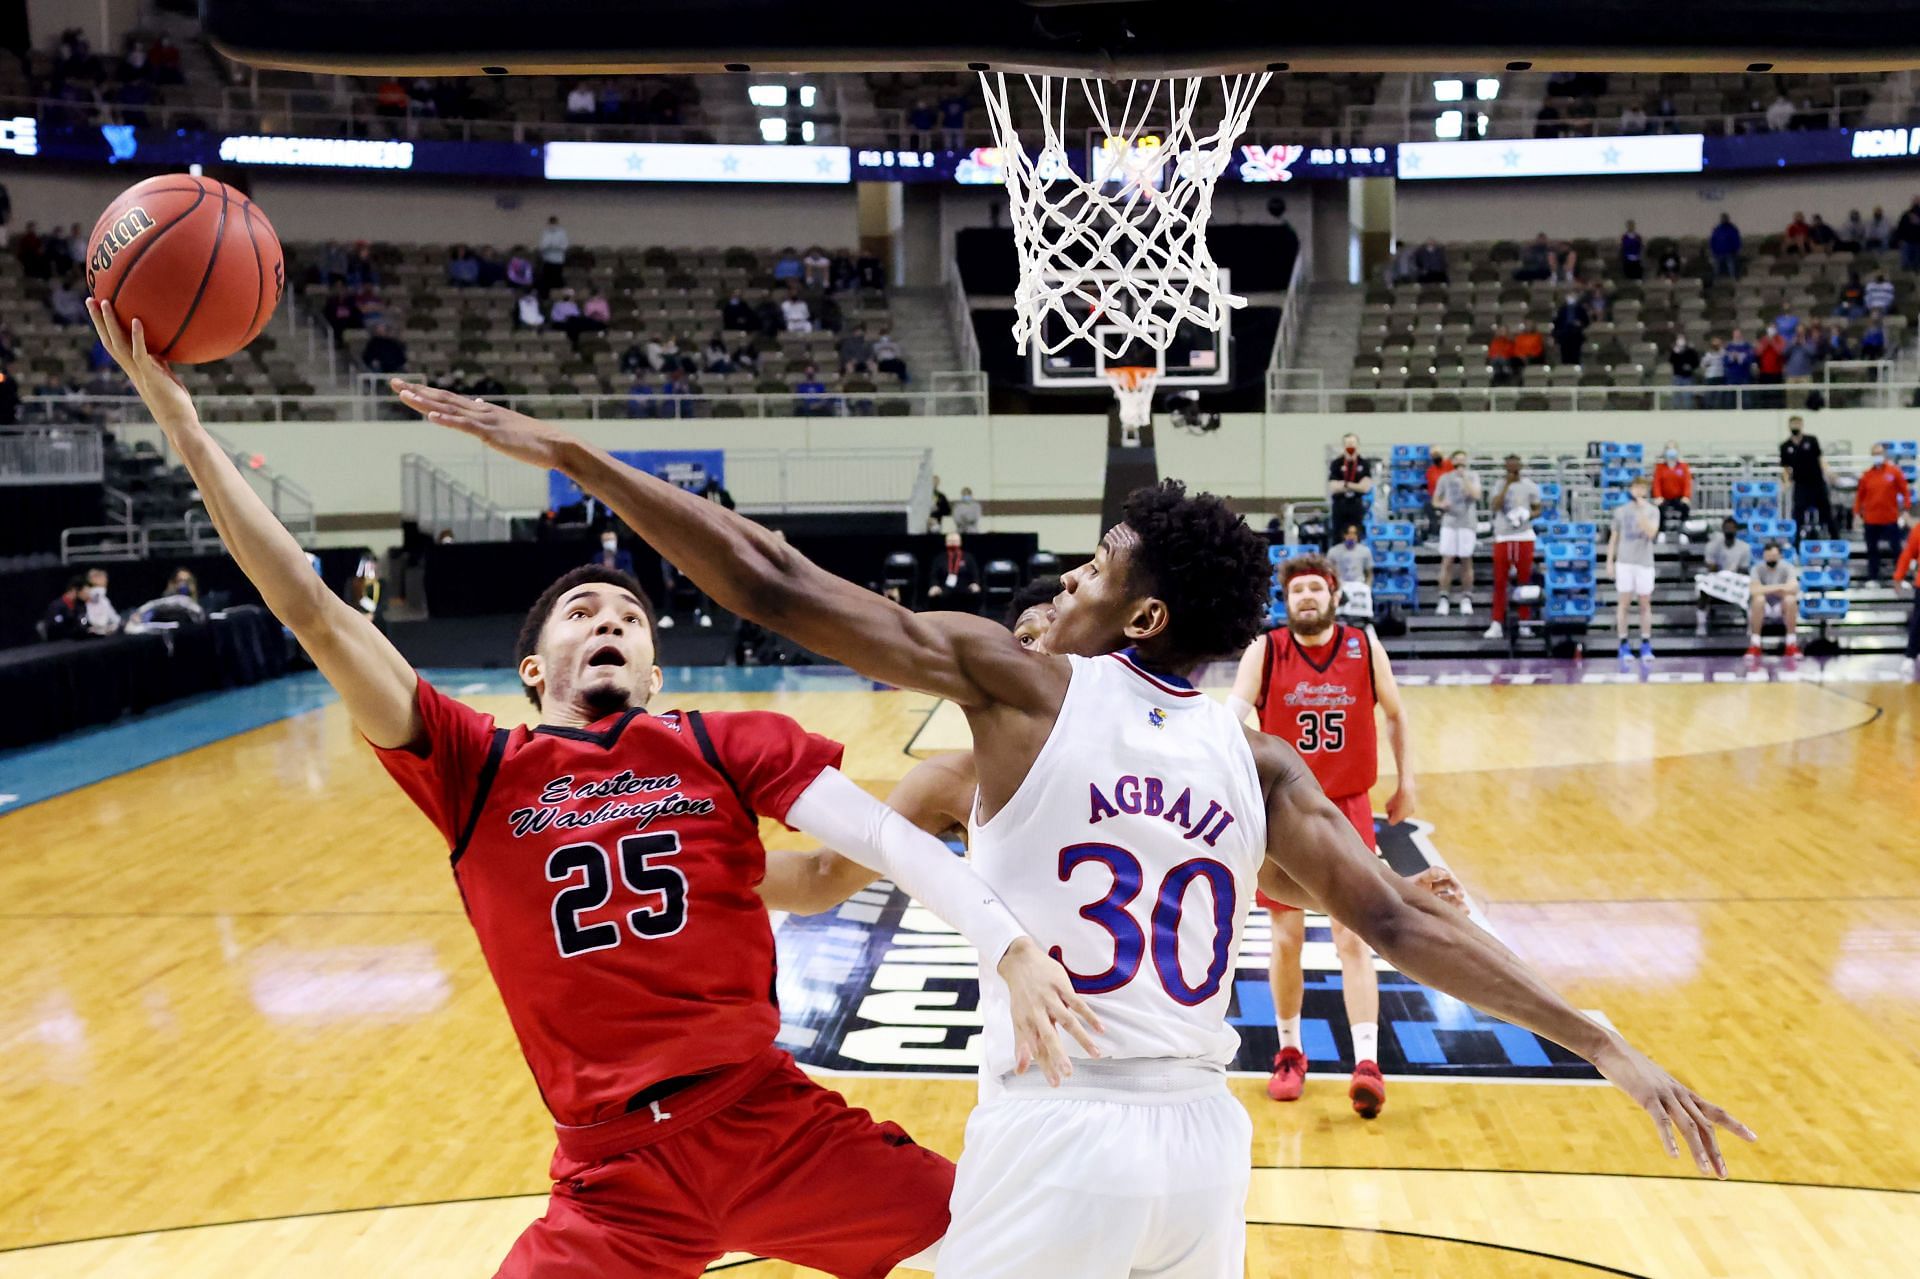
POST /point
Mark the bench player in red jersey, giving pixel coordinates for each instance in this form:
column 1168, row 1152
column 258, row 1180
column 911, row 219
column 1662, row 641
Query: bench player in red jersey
column 1315, row 683
column 610, row 862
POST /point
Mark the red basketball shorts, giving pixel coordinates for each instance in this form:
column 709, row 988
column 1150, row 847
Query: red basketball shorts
column 786, row 1169
column 1359, row 811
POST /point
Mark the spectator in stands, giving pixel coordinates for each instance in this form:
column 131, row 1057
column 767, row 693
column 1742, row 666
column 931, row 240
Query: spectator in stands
column 1673, row 487
column 1837, row 346
column 967, row 512
column 1739, row 368
column 1404, row 269
column 390, row 98
column 1633, row 117
column 1873, row 338
column 491, row 270
column 856, row 352
column 745, row 358
column 1685, row 363
column 527, row 313
column 596, row 313
column 1852, row 300
column 553, row 254
column 953, row 122
column 66, row 304
column 463, row 269
column 811, row 394
column 59, row 251
column 634, row 359
column 1564, row 261
column 1821, row 237
column 1775, row 597
column 1879, row 230
column 1570, row 328
column 788, row 265
column 101, row 617
column 372, row 309
column 1780, row 112
column 887, row 357
column 873, row 272
column 384, row 353
column 361, row 268
column 1769, row 365
column 32, row 252
column 612, row 555
column 487, row 386
column 956, row 573
column 714, row 357
column 1529, row 347
column 1880, row 502
column 920, row 122
column 1546, row 124
column 1437, row 465
column 611, row 106
column 519, row 268
column 580, row 103
column 1798, row 235
column 1536, row 260
column 1632, row 253
column 1430, row 263
column 1802, row 356
column 769, row 318
column 66, row 617
column 941, row 508
column 843, row 274
column 1879, row 294
column 1723, row 245
column 1906, row 236
column 641, row 393
column 1515, row 507
column 737, row 315
column 675, row 389
column 1724, row 554
column 1853, row 234
column 342, row 313
column 716, row 492
column 795, row 315
column 1351, row 558
column 1630, row 564
column 1805, row 470
column 816, row 269
column 1349, row 484
column 1457, row 498
column 164, row 59
column 564, row 314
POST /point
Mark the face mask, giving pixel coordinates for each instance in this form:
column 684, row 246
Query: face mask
column 1732, row 535
column 1673, row 455
column 1353, row 541
column 96, row 593
column 1879, row 458
column 183, row 589
column 1351, row 450
column 609, row 545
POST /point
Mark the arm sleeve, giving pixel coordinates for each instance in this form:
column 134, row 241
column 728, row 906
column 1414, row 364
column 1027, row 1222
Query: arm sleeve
column 859, row 827
column 441, row 771
column 770, row 758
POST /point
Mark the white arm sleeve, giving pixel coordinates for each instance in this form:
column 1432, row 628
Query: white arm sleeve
column 853, row 823
column 1240, row 707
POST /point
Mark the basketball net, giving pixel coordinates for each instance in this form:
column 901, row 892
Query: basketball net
column 1133, row 387
column 1127, row 242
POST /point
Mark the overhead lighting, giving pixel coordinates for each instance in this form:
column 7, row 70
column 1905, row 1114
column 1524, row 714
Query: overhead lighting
column 1448, row 90
column 774, row 129
column 807, row 93
column 1449, row 124
column 806, row 130
column 768, row 95
column 1480, row 124
column 1486, row 90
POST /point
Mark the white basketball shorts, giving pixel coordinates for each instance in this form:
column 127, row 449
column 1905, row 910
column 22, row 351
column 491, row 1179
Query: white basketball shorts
column 1634, row 579
column 1130, row 1170
column 1458, row 543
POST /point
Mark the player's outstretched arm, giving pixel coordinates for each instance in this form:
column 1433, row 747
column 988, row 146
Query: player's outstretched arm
column 1439, row 946
column 373, row 680
column 1246, row 679
column 748, row 571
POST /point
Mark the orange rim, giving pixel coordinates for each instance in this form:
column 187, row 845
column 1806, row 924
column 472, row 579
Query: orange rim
column 1130, row 376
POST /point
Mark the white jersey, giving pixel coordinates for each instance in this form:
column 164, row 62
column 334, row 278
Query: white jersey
column 1131, row 852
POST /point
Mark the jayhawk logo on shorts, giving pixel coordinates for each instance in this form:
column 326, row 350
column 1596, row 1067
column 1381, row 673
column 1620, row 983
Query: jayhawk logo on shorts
column 1157, row 717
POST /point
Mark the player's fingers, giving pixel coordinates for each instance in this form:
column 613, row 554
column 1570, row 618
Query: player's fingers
column 1724, row 1120
column 1084, row 1011
column 1688, row 1133
column 1708, row 1141
column 1065, row 1018
column 1664, row 1127
column 111, row 333
column 1053, row 1056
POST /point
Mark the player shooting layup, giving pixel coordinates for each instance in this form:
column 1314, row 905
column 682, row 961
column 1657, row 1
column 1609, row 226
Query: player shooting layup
column 1129, row 816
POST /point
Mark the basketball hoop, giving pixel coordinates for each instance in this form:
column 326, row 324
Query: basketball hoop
column 1129, row 237
column 1133, row 387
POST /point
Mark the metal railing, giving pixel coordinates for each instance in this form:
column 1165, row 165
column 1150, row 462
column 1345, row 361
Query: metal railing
column 51, row 455
column 194, row 535
column 1292, row 393
column 960, row 317
column 1293, row 310
column 435, row 500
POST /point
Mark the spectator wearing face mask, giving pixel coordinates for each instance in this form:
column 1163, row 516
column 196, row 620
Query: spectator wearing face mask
column 95, row 612
column 1804, row 468
column 1727, row 553
column 66, row 617
column 1630, row 564
column 1775, row 597
column 612, row 554
column 967, row 512
column 956, row 575
column 1352, row 558
column 1457, row 498
column 1349, row 484
column 1880, row 501
column 1673, row 487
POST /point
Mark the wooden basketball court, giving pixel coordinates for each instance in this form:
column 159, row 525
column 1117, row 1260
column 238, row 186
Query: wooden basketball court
column 246, row 1030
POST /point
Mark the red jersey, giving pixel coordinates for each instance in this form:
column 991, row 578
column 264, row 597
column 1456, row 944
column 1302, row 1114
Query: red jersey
column 610, row 873
column 1321, row 701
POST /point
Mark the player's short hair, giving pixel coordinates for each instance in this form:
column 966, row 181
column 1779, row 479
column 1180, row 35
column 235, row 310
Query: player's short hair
column 536, row 620
column 1205, row 564
column 1038, row 591
column 1309, row 566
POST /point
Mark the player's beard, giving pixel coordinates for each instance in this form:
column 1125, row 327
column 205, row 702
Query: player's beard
column 1315, row 631
column 605, row 700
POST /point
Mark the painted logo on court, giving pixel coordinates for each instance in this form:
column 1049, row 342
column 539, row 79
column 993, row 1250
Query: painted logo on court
column 881, row 985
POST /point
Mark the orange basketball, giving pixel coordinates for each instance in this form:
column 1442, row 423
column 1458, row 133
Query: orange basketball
column 193, row 260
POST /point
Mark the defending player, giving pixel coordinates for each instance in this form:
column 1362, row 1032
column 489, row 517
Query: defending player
column 1131, row 815
column 608, row 860
column 1315, row 683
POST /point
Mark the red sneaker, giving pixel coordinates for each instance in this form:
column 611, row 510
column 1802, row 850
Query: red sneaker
column 1793, row 650
column 1753, row 655
column 1368, row 1090
column 1289, row 1075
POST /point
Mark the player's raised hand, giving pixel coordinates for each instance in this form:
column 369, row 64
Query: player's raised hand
column 153, row 379
column 1041, row 997
column 520, row 437
column 1671, row 1104
column 1442, row 883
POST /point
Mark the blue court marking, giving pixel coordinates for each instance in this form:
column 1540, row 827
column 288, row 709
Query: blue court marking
column 31, row 774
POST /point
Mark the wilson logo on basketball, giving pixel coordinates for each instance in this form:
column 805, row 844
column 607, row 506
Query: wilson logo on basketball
column 128, row 228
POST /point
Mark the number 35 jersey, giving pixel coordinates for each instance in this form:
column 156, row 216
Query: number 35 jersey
column 1131, row 853
column 1320, row 701
column 610, row 875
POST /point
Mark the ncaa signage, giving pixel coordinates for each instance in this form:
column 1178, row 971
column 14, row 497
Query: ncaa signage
column 1885, row 144
column 20, row 135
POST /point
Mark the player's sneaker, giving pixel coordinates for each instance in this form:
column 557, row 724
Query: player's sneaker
column 1368, row 1090
column 1495, row 631
column 665, row 623
column 1289, row 1075
column 1466, row 606
column 1907, row 667
column 1793, row 650
column 1444, row 607
column 1626, row 651
column 1753, row 655
column 1646, row 650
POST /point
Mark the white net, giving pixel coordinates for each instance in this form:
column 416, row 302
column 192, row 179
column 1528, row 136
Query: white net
column 1120, row 255
column 1133, row 388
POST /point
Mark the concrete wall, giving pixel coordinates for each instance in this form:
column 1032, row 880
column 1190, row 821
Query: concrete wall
column 353, row 468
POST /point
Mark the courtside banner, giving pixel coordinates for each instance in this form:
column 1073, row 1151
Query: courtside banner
column 1551, row 157
column 690, row 162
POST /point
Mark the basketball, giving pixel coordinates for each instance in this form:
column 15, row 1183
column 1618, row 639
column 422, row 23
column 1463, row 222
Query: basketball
column 195, row 261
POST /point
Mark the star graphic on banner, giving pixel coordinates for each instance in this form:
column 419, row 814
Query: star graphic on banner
column 1512, row 157
column 635, row 163
column 824, row 166
column 1611, row 155
column 1409, row 159
column 729, row 163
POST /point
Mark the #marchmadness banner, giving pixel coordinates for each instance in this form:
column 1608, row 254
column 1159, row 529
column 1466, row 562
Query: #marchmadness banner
column 688, row 468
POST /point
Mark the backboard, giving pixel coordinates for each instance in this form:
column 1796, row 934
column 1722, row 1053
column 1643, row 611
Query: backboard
column 1194, row 356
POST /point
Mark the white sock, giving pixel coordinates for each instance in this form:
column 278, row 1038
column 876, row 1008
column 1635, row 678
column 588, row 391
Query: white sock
column 1290, row 1032
column 1755, row 640
column 1366, row 1041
